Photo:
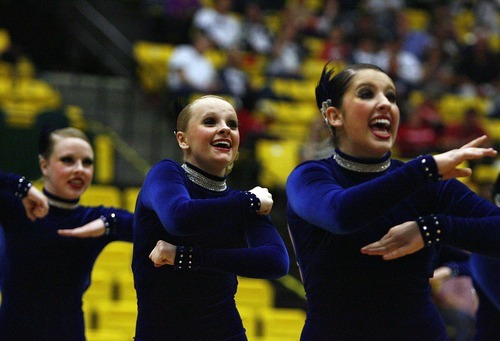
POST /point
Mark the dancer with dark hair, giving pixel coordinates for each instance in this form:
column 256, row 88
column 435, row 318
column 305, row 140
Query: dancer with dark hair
column 49, row 258
column 339, row 204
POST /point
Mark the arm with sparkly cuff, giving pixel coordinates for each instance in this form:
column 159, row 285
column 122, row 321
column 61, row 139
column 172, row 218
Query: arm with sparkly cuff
column 35, row 202
column 115, row 225
column 430, row 230
column 265, row 257
column 165, row 191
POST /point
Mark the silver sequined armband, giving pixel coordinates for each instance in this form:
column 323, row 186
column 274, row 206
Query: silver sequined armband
column 430, row 230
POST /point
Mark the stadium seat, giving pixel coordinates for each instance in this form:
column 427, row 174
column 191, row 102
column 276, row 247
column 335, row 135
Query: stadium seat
column 116, row 257
column 118, row 316
column 254, row 293
column 276, row 158
column 106, row 335
column 282, row 324
column 130, row 197
column 102, row 195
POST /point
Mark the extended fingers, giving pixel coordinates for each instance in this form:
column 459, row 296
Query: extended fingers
column 476, row 142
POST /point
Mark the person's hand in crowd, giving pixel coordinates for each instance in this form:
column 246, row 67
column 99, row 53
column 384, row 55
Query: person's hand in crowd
column 401, row 240
column 163, row 254
column 36, row 204
column 266, row 199
column 94, row 229
column 449, row 161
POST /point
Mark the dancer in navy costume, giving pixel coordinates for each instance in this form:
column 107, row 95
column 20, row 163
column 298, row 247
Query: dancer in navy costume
column 339, row 204
column 48, row 262
column 485, row 274
column 209, row 234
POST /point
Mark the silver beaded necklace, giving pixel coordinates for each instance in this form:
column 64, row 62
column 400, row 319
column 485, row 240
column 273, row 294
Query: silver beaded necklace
column 203, row 181
column 361, row 167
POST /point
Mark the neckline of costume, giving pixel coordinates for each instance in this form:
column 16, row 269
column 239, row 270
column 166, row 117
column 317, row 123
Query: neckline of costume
column 203, row 179
column 362, row 165
column 59, row 202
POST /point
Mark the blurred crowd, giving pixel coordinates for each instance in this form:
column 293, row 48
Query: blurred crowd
column 431, row 49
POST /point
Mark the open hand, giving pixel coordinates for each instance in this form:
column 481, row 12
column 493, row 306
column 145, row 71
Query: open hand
column 93, row 229
column 448, row 162
column 401, row 240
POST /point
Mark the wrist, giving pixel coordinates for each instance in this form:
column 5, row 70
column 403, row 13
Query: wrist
column 23, row 187
column 253, row 202
column 186, row 259
column 110, row 222
column 429, row 166
column 430, row 230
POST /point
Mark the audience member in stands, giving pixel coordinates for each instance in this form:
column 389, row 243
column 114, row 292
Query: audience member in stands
column 336, row 47
column 48, row 260
column 255, row 34
column 219, row 23
column 420, row 129
column 365, row 49
column 189, row 70
column 402, row 66
column 234, row 79
column 338, row 204
column 478, row 66
column 209, row 233
column 288, row 53
column 178, row 19
column 318, row 143
column 463, row 129
column 319, row 24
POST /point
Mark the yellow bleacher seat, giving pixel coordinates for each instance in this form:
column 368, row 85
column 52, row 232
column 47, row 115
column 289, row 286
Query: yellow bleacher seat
column 125, row 286
column 453, row 107
column 152, row 60
column 282, row 324
column 104, row 159
column 106, row 335
column 314, row 45
column 418, row 19
column 464, row 22
column 119, row 316
column 116, row 256
column 296, row 112
column 277, row 158
column 254, row 293
column 101, row 287
column 249, row 318
column 4, row 40
column 217, row 57
column 104, row 195
column 492, row 127
column 301, row 91
column 312, row 67
column 130, row 197
column 485, row 173
column 36, row 91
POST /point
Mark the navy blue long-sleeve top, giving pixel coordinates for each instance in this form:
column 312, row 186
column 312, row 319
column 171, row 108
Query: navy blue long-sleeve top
column 332, row 212
column 227, row 239
column 46, row 274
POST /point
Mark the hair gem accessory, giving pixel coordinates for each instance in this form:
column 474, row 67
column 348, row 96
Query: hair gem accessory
column 324, row 106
